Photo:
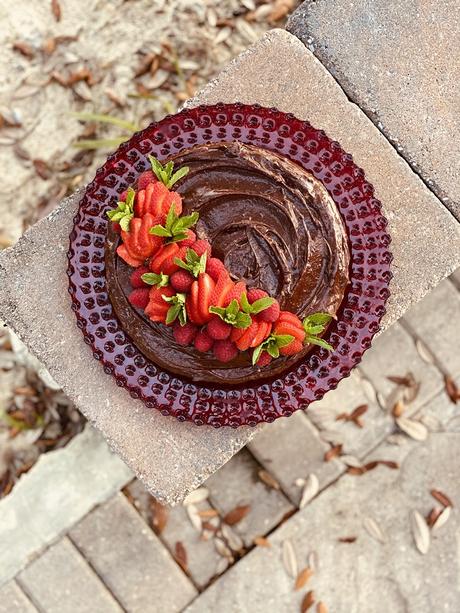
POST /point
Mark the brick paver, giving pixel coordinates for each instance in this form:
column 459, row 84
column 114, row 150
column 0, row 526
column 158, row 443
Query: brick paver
column 131, row 560
column 237, row 484
column 60, row 581
column 13, row 600
column 437, row 321
column 61, row 488
column 290, row 449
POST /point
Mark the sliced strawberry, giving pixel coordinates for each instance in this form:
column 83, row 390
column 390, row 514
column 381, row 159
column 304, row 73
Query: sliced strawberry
column 205, row 288
column 214, row 267
column 237, row 333
column 235, row 293
column 188, row 242
column 124, row 254
column 245, row 341
column 292, row 348
column 288, row 327
column 163, row 262
column 191, row 304
column 291, row 317
column 264, row 329
column 224, row 286
column 157, row 307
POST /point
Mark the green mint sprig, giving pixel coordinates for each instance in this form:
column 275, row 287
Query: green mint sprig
column 194, row 263
column 257, row 306
column 177, row 309
column 151, row 278
column 232, row 315
column 165, row 173
column 124, row 211
column 175, row 227
column 272, row 346
column 314, row 325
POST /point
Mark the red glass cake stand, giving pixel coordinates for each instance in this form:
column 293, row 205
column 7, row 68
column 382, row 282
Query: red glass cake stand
column 359, row 316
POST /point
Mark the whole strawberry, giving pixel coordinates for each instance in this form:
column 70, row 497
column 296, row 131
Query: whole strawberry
column 269, row 313
column 225, row 351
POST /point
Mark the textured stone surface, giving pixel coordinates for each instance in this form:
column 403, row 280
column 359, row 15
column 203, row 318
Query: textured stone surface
column 13, row 600
column 365, row 575
column 130, row 559
column 61, row 581
column 237, row 483
column 203, row 560
column 395, row 353
column 60, row 489
column 290, row 449
column 280, row 71
column 455, row 278
column 350, row 394
column 437, row 321
column 397, row 61
column 276, row 71
column 144, row 438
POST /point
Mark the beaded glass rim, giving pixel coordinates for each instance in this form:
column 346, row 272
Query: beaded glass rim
column 358, row 319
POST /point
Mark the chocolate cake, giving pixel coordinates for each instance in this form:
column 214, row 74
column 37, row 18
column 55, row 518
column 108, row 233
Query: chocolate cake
column 272, row 224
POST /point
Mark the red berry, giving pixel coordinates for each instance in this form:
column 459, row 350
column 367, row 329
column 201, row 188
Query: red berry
column 294, row 347
column 182, row 281
column 116, row 226
column 244, row 341
column 235, row 293
column 145, row 178
column 184, row 335
column 135, row 278
column 271, row 313
column 123, row 196
column 139, row 298
column 264, row 359
column 189, row 241
column 201, row 246
column 223, row 286
column 256, row 294
column 124, row 254
column 218, row 330
column 199, row 299
column 163, row 260
column 289, row 323
column 214, row 267
column 157, row 307
column 203, row 342
column 225, row 351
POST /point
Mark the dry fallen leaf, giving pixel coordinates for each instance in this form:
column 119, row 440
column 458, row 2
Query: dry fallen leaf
column 56, row 8
column 310, row 490
column 333, row 452
column 414, row 429
column 261, row 541
column 268, row 479
column 24, row 48
column 420, row 532
column 159, row 516
column 442, row 518
column 321, row 608
column 347, row 539
column 42, row 169
column 374, row 529
column 307, row 602
column 236, row 515
column 451, row 389
column 303, row 577
column 442, row 498
column 289, row 558
column 181, row 555
column 198, row 495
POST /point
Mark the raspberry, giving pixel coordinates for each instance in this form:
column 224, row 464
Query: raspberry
column 264, row 359
column 182, row 281
column 235, row 293
column 201, row 246
column 218, row 329
column 135, row 278
column 189, row 241
column 139, row 298
column 214, row 267
column 271, row 313
column 203, row 342
column 225, row 350
column 255, row 294
column 145, row 178
column 184, row 335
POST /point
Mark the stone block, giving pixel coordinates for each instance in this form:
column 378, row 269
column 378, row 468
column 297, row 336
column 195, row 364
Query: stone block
column 60, row 581
column 62, row 487
column 396, row 60
column 13, row 600
column 130, row 559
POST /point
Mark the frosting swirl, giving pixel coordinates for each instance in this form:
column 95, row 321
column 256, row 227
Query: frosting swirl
column 273, row 224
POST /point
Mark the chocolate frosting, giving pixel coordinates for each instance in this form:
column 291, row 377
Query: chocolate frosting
column 273, row 224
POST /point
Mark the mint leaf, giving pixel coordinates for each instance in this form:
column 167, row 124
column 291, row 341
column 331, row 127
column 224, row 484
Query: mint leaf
column 175, row 227
column 242, row 320
column 318, row 318
column 261, row 304
column 194, row 263
column 124, row 211
column 177, row 309
column 273, row 350
column 232, row 315
column 256, row 354
column 282, row 340
column 315, row 340
column 272, row 345
column 165, row 173
column 151, row 278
